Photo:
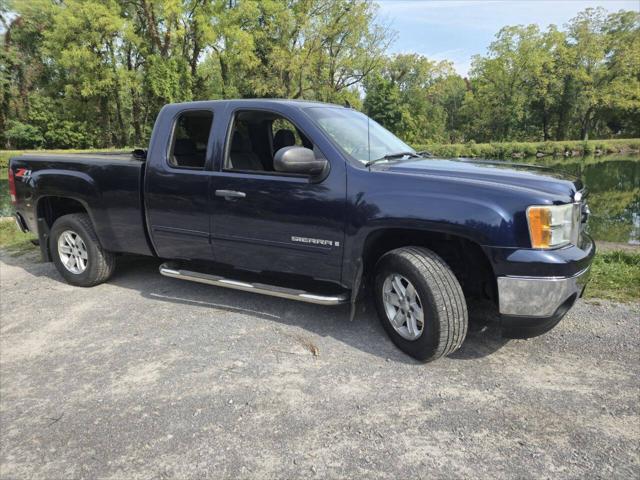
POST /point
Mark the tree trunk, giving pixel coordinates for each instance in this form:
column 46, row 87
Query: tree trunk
column 122, row 137
column 224, row 75
column 586, row 125
column 545, row 125
column 151, row 24
column 135, row 113
column 106, row 122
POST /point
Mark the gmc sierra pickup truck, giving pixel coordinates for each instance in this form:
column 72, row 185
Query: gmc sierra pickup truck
column 315, row 202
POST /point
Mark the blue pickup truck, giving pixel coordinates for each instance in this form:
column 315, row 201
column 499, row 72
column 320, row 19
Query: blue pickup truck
column 317, row 203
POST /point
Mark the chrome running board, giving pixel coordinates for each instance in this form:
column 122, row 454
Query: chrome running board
column 272, row 290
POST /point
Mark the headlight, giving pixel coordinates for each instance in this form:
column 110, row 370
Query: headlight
column 553, row 225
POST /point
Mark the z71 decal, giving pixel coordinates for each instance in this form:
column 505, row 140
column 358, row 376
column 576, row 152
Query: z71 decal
column 23, row 173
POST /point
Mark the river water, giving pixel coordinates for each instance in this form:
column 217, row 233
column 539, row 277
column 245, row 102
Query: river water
column 614, row 194
column 613, row 185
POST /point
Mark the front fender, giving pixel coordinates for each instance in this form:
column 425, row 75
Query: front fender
column 475, row 220
column 486, row 214
column 479, row 220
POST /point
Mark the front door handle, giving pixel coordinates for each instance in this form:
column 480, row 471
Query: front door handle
column 229, row 194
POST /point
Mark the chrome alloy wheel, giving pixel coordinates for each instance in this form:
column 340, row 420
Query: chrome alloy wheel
column 403, row 306
column 72, row 252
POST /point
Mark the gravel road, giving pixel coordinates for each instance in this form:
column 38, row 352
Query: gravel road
column 150, row 377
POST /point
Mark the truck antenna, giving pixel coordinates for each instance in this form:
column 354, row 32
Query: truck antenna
column 368, row 138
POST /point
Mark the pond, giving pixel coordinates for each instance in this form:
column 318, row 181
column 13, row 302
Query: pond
column 613, row 184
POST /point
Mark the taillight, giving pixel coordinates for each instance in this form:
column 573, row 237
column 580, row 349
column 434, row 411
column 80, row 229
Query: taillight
column 12, row 187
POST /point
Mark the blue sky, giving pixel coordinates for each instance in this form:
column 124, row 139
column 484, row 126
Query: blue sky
column 457, row 29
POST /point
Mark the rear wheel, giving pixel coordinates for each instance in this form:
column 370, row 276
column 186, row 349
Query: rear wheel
column 77, row 253
column 420, row 303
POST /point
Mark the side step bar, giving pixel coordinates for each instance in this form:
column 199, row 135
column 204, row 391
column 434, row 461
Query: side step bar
column 174, row 272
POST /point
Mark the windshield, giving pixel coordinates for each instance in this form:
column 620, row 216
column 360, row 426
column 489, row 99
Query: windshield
column 357, row 134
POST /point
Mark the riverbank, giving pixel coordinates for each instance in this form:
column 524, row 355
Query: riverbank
column 507, row 150
column 501, row 150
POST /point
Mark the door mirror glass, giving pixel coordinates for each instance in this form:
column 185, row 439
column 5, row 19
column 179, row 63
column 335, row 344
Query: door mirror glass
column 295, row 159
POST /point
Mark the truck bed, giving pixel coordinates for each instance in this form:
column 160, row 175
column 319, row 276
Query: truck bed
column 108, row 185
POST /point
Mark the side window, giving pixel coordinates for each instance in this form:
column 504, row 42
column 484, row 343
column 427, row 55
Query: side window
column 190, row 137
column 255, row 138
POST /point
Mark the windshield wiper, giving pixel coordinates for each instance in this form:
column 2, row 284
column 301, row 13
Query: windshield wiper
column 392, row 156
column 424, row 153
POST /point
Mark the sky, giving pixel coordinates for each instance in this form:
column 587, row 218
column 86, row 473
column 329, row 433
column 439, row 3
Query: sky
column 458, row 29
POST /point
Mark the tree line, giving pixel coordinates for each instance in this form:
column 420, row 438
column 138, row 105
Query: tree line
column 94, row 73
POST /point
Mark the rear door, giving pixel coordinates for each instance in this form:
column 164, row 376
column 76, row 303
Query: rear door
column 263, row 220
column 177, row 184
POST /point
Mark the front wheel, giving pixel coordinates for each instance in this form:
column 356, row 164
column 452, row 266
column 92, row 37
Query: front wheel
column 420, row 303
column 77, row 253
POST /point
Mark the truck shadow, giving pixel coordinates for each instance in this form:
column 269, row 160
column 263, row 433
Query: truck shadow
column 364, row 332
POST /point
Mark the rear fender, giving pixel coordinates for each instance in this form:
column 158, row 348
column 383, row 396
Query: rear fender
column 66, row 184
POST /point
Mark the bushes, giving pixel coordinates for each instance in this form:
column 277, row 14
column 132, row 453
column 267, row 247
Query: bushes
column 23, row 135
column 530, row 149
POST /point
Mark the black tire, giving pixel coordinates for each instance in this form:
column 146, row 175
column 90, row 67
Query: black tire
column 100, row 262
column 443, row 303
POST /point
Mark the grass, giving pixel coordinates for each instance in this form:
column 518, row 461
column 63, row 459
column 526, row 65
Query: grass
column 13, row 240
column 568, row 148
column 615, row 275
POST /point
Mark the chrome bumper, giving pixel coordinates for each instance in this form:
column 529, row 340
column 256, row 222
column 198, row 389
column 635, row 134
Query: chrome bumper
column 538, row 297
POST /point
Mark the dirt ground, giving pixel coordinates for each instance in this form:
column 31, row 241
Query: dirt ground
column 150, row 377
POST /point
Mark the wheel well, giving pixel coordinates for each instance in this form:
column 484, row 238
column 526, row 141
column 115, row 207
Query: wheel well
column 466, row 258
column 52, row 208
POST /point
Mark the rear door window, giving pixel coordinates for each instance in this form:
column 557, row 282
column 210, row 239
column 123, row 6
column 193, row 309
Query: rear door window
column 190, row 137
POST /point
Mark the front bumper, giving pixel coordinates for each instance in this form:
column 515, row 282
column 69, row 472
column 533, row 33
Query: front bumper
column 538, row 296
column 532, row 305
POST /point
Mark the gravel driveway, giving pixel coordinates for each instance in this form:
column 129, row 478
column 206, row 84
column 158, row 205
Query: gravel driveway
column 150, row 377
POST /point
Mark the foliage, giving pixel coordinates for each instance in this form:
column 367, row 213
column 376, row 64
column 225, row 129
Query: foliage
column 23, row 135
column 13, row 240
column 506, row 150
column 383, row 102
column 532, row 85
column 104, row 68
column 94, row 73
column 615, row 275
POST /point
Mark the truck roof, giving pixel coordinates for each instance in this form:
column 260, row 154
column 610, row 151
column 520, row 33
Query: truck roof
column 256, row 102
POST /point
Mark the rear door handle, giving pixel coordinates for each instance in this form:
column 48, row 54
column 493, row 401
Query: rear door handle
column 228, row 194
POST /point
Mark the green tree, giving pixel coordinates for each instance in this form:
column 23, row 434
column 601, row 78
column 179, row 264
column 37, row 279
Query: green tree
column 429, row 97
column 382, row 103
column 96, row 72
column 607, row 64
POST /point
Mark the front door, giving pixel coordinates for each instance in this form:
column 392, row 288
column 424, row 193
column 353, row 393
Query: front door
column 263, row 220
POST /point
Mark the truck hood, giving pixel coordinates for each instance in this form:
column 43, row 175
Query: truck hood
column 532, row 177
